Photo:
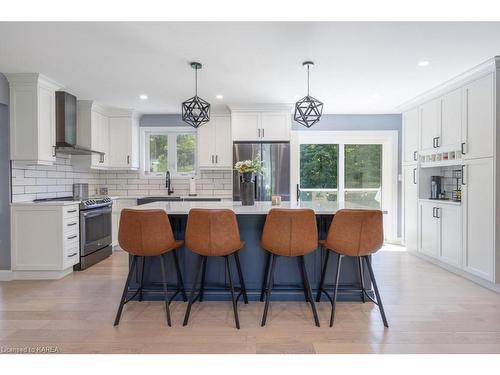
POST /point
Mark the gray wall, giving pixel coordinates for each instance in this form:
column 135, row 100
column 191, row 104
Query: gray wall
column 4, row 175
column 162, row 120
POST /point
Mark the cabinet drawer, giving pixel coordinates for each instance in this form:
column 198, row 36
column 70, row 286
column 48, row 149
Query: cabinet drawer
column 71, row 224
column 71, row 257
column 70, row 212
column 71, row 239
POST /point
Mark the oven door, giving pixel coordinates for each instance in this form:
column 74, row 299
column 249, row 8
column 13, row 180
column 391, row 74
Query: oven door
column 95, row 229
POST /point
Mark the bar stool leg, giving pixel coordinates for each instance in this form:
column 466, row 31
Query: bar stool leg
column 240, row 275
column 179, row 276
column 204, row 272
column 231, row 288
column 301, row 269
column 334, row 297
column 307, row 288
column 142, row 278
column 270, row 280
column 264, row 279
column 193, row 291
column 125, row 289
column 323, row 274
column 361, row 279
column 377, row 294
column 164, row 281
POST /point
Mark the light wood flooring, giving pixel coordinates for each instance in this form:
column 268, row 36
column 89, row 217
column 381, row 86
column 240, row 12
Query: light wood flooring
column 429, row 311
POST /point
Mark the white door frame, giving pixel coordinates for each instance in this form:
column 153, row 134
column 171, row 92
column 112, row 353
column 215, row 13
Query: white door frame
column 390, row 159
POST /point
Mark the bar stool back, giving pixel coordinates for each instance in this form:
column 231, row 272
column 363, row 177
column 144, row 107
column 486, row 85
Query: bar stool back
column 355, row 233
column 214, row 233
column 291, row 233
column 145, row 234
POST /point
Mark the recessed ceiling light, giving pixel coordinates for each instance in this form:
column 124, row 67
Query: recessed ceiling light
column 220, row 97
column 423, row 63
column 143, row 97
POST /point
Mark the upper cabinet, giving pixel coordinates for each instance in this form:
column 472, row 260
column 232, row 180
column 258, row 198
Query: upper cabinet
column 478, row 127
column 451, row 121
column 215, row 144
column 123, row 142
column 430, row 123
column 32, row 118
column 259, row 125
column 410, row 136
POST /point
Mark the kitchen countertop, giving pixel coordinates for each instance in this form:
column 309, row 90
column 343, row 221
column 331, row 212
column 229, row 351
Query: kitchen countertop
column 170, row 196
column 47, row 203
column 260, row 208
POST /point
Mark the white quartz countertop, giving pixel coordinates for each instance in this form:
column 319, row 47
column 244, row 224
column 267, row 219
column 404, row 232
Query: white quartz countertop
column 46, row 203
column 260, row 208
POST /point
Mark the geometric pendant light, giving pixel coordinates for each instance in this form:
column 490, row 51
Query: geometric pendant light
column 195, row 110
column 308, row 110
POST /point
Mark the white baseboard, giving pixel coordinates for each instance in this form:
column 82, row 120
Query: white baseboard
column 6, row 275
column 40, row 275
column 485, row 283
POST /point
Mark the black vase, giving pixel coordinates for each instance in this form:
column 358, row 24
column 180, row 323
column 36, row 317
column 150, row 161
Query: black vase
column 247, row 189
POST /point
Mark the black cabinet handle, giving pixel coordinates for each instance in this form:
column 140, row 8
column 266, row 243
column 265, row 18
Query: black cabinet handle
column 298, row 193
column 128, row 159
column 437, row 141
column 71, row 224
column 72, row 255
column 212, row 159
column 216, row 159
column 462, row 148
column 71, row 211
column 71, row 237
column 415, row 155
column 434, row 142
column 437, row 213
column 415, row 176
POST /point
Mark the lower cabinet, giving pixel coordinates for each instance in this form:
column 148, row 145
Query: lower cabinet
column 410, row 206
column 45, row 240
column 118, row 205
column 440, row 225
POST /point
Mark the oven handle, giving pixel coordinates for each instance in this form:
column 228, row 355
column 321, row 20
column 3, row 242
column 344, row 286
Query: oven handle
column 96, row 212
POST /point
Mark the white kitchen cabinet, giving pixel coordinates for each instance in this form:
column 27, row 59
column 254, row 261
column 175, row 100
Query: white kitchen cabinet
column 410, row 136
column 32, row 118
column 451, row 121
column 410, row 207
column 261, row 125
column 430, row 123
column 478, row 127
column 428, row 241
column 215, row 144
column 478, row 196
column 450, row 220
column 118, row 205
column 123, row 143
column 52, row 247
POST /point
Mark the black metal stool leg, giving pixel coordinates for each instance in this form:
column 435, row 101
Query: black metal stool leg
column 264, row 279
column 269, row 287
column 301, row 270
column 361, row 279
column 334, row 297
column 323, row 274
column 307, row 288
column 193, row 292
column 179, row 276
column 142, row 278
column 131, row 270
column 377, row 294
column 164, row 281
column 240, row 276
column 231, row 288
column 204, row 272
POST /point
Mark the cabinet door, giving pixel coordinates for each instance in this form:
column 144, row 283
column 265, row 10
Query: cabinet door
column 206, row 144
column 410, row 193
column 95, row 136
column 478, row 132
column 275, row 126
column 410, row 136
column 223, row 143
column 245, row 126
column 451, row 121
column 430, row 117
column 450, row 219
column 429, row 229
column 479, row 215
column 46, row 124
column 120, row 142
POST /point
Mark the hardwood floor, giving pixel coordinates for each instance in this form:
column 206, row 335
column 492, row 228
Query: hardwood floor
column 429, row 311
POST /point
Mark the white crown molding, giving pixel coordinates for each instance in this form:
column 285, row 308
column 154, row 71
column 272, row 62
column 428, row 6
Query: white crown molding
column 285, row 107
column 489, row 66
column 20, row 79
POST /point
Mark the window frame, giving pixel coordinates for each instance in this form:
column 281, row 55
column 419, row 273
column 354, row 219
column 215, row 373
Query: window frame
column 172, row 132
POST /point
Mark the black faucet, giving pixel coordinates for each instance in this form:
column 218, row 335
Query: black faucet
column 168, row 183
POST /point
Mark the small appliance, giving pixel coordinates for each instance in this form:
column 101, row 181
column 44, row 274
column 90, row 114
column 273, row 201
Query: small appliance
column 436, row 192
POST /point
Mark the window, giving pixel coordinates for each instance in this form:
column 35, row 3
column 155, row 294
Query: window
column 319, row 172
column 171, row 150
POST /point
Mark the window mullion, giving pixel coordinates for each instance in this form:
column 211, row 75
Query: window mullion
column 172, row 152
column 341, row 175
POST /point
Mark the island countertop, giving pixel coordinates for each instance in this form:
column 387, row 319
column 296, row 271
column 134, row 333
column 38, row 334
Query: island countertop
column 260, row 208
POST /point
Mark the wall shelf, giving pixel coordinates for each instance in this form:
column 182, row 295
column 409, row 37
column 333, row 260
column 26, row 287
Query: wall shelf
column 441, row 163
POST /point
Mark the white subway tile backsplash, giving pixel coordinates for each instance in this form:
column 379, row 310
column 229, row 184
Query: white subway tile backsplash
column 34, row 173
column 35, row 189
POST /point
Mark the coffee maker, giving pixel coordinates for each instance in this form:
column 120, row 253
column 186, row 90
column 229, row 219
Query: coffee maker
column 436, row 191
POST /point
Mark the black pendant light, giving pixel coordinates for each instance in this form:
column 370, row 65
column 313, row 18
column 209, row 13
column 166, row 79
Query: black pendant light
column 195, row 110
column 308, row 109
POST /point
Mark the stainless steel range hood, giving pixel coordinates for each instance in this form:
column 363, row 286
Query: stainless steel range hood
column 66, row 127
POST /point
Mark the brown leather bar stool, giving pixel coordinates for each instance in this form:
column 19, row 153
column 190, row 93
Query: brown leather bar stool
column 289, row 233
column 144, row 234
column 214, row 233
column 354, row 233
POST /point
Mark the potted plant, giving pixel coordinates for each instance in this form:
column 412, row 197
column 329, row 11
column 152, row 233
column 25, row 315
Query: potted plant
column 247, row 170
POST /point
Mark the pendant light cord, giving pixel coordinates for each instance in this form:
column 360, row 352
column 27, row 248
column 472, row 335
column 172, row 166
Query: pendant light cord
column 307, row 79
column 196, row 81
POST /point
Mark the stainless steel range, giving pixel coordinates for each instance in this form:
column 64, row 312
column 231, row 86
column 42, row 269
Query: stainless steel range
column 95, row 229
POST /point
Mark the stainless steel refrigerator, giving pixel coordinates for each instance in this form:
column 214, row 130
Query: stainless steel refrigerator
column 275, row 157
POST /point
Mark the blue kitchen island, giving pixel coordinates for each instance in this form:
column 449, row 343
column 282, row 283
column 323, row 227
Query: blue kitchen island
column 288, row 285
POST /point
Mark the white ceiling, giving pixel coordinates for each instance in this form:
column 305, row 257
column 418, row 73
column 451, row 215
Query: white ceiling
column 360, row 67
